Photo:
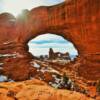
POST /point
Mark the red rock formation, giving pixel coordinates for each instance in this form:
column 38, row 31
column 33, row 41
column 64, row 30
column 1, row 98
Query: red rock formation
column 77, row 21
column 58, row 55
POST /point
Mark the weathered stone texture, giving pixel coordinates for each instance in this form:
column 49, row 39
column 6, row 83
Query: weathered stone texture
column 77, row 21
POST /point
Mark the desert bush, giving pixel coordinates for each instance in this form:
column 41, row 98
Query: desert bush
column 65, row 78
column 98, row 87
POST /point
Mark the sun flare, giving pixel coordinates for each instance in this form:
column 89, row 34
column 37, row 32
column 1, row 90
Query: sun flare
column 16, row 6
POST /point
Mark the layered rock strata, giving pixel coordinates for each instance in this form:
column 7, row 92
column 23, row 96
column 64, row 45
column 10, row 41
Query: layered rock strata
column 76, row 20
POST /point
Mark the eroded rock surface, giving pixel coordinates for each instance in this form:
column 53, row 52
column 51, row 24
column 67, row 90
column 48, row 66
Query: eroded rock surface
column 36, row 90
column 76, row 20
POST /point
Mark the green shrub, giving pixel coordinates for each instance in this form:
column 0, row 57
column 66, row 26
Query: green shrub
column 98, row 87
column 65, row 78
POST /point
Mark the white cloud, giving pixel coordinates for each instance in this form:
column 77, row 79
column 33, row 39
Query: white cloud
column 42, row 49
column 48, row 37
column 54, row 45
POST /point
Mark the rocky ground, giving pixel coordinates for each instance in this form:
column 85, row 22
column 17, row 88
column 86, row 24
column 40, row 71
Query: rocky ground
column 59, row 75
column 36, row 90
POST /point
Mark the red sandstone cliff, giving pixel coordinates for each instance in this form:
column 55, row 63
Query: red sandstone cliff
column 77, row 21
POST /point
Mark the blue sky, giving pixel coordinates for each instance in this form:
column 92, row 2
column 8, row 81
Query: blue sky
column 41, row 44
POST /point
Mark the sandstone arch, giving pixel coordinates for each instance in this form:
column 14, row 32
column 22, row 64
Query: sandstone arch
column 76, row 20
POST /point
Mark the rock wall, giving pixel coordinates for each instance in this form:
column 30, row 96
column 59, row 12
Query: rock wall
column 77, row 21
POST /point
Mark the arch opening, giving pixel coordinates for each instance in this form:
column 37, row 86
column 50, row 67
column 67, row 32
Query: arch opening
column 41, row 45
column 52, row 52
